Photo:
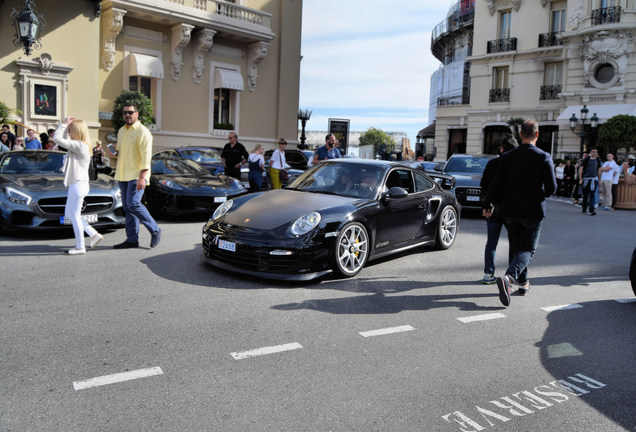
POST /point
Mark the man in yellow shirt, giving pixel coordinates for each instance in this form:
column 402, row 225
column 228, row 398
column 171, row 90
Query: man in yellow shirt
column 134, row 148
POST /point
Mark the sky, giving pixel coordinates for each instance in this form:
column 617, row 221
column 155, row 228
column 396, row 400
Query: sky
column 369, row 61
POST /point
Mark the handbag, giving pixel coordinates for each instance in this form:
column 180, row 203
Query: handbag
column 282, row 173
column 92, row 170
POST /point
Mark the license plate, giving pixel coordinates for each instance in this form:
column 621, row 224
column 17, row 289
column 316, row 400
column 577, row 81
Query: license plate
column 227, row 245
column 90, row 218
column 220, row 199
column 472, row 198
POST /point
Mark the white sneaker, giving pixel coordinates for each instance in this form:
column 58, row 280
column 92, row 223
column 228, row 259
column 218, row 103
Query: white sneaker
column 75, row 251
column 94, row 240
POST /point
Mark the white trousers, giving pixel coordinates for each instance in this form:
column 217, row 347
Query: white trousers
column 73, row 211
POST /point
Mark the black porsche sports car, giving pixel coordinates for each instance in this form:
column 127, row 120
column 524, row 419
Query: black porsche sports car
column 335, row 217
column 180, row 186
column 33, row 195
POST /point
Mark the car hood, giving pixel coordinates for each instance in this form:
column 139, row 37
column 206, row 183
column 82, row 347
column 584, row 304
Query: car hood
column 268, row 210
column 192, row 182
column 463, row 179
column 47, row 183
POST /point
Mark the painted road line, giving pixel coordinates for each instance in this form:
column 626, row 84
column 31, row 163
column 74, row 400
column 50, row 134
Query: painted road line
column 627, row 300
column 266, row 350
column 483, row 317
column 116, row 378
column 386, row 331
column 562, row 307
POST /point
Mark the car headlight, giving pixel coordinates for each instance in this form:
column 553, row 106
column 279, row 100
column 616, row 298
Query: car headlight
column 118, row 194
column 169, row 184
column 222, row 209
column 305, row 223
column 16, row 196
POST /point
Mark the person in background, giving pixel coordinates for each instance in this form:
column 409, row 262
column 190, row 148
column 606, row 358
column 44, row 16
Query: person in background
column 31, row 142
column 50, row 145
column 76, row 179
column 588, row 179
column 608, row 171
column 98, row 153
column 19, row 143
column 7, row 129
column 494, row 221
column 5, row 142
column 277, row 164
column 328, row 151
column 559, row 171
column 233, row 156
column 568, row 177
column 256, row 162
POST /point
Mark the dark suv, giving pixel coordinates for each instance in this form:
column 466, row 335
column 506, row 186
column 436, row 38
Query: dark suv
column 467, row 170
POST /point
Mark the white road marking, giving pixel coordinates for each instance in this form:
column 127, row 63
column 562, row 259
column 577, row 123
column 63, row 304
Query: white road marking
column 628, row 300
column 483, row 317
column 118, row 377
column 562, row 307
column 266, row 350
column 386, row 331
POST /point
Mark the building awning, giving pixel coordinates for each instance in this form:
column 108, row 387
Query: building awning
column 228, row 78
column 146, row 66
column 428, row 131
column 603, row 112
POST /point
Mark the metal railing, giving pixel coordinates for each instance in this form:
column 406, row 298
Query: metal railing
column 549, row 39
column 549, row 92
column 606, row 15
column 499, row 95
column 230, row 10
column 502, row 45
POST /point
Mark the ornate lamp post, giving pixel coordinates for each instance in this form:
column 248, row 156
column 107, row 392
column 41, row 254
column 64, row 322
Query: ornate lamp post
column 582, row 133
column 303, row 116
column 28, row 24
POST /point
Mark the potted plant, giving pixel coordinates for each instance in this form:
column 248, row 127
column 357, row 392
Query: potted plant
column 144, row 106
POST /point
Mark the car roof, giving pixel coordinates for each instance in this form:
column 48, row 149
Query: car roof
column 478, row 156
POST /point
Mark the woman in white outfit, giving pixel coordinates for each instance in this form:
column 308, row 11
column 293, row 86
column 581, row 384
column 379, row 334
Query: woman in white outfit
column 76, row 179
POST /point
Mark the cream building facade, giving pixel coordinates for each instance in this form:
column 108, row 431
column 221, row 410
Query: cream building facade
column 544, row 60
column 203, row 63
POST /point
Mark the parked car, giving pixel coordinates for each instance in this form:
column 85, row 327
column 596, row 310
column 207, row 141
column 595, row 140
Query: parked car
column 445, row 180
column 330, row 219
column 467, row 170
column 180, row 186
column 294, row 158
column 207, row 157
column 34, row 196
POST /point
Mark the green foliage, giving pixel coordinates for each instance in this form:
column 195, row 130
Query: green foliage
column 224, row 126
column 378, row 139
column 144, row 106
column 5, row 112
column 515, row 123
column 617, row 132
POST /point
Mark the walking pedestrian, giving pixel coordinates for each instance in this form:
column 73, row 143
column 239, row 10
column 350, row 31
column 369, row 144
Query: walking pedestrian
column 492, row 213
column 525, row 177
column 134, row 147
column 233, row 156
column 588, row 179
column 277, row 165
column 256, row 162
column 76, row 180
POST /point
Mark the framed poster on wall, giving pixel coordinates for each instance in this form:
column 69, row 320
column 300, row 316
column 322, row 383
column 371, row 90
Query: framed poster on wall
column 44, row 99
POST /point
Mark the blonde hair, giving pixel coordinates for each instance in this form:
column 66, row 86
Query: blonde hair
column 257, row 147
column 78, row 131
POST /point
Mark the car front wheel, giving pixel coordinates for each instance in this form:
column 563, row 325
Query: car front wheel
column 351, row 250
column 446, row 228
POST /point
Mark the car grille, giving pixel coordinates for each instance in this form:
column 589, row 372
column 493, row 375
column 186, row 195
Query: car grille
column 468, row 196
column 94, row 204
column 250, row 257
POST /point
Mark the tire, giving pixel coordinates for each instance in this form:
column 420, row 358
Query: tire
column 446, row 228
column 632, row 272
column 351, row 250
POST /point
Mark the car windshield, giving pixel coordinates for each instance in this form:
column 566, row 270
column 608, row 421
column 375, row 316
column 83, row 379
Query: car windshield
column 177, row 167
column 466, row 165
column 200, row 155
column 350, row 180
column 38, row 162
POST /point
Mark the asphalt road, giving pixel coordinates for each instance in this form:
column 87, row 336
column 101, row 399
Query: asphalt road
column 153, row 340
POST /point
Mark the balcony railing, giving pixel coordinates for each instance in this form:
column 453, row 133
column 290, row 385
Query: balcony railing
column 606, row 15
column 230, row 10
column 499, row 95
column 549, row 92
column 549, row 39
column 502, row 45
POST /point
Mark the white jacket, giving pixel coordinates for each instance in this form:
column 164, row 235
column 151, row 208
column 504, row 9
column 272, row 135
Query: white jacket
column 77, row 158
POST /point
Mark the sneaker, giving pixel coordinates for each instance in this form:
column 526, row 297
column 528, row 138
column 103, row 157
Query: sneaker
column 94, row 240
column 156, row 238
column 75, row 251
column 524, row 288
column 126, row 245
column 503, row 283
column 592, row 213
column 584, row 210
column 488, row 279
column 606, row 208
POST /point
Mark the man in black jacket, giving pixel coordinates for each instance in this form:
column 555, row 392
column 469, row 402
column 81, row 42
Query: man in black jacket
column 525, row 177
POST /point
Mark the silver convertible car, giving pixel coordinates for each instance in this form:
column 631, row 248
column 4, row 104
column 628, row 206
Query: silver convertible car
column 33, row 195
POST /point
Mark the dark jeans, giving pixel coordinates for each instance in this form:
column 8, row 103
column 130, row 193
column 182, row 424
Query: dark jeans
column 524, row 238
column 493, row 226
column 135, row 211
column 614, row 193
column 589, row 194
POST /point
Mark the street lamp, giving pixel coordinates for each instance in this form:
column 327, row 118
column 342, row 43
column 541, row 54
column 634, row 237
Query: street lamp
column 303, row 116
column 28, row 24
column 582, row 133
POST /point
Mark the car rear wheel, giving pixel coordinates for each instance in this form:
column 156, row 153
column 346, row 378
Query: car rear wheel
column 446, row 228
column 351, row 250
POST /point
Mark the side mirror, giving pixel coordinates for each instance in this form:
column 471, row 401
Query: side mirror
column 397, row 192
